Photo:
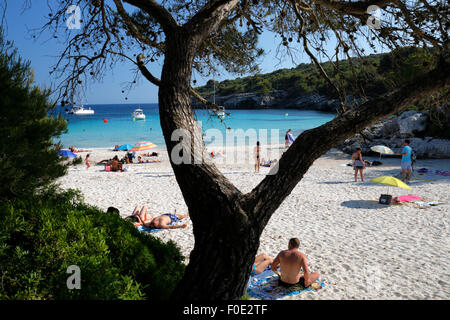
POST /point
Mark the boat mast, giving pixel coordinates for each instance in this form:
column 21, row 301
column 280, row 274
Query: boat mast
column 214, row 81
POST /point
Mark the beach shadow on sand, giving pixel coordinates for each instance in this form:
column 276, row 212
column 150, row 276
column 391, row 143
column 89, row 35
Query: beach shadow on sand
column 335, row 182
column 156, row 175
column 363, row 204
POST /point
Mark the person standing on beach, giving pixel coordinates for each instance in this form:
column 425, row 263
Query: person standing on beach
column 87, row 161
column 288, row 138
column 406, row 160
column 358, row 164
column 291, row 263
column 257, row 156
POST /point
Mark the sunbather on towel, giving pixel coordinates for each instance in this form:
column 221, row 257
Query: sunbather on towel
column 261, row 263
column 141, row 218
column 291, row 263
column 140, row 160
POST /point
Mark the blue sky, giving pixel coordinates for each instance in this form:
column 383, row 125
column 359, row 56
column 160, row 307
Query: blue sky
column 42, row 53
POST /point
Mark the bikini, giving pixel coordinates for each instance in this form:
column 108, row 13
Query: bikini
column 173, row 217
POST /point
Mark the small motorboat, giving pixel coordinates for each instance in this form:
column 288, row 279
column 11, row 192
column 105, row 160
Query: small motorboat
column 221, row 111
column 81, row 110
column 138, row 114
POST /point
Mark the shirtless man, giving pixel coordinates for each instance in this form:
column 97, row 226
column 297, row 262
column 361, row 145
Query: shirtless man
column 159, row 222
column 291, row 263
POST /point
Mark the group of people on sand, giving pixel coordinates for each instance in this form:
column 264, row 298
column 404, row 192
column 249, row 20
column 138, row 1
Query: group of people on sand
column 115, row 163
column 406, row 163
column 291, row 262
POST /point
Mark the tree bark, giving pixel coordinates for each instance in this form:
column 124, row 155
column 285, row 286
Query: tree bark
column 224, row 239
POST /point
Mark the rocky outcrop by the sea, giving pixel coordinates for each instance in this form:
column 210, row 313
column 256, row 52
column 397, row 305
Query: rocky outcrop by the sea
column 277, row 99
column 392, row 132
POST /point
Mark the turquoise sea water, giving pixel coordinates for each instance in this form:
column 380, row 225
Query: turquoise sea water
column 93, row 132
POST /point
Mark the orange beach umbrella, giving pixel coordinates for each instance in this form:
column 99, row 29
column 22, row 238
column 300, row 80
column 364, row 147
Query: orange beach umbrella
column 142, row 146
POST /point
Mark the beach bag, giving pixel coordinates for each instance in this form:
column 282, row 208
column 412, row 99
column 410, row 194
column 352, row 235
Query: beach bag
column 107, row 168
column 385, row 199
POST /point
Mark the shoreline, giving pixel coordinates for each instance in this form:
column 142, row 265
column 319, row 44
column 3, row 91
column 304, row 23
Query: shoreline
column 343, row 230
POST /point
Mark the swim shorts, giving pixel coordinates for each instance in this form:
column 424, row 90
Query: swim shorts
column 406, row 165
column 288, row 285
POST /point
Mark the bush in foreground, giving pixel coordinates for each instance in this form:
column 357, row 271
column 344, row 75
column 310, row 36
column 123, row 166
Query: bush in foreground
column 41, row 237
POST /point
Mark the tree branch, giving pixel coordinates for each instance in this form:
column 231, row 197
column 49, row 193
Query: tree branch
column 358, row 8
column 157, row 11
column 209, row 17
column 133, row 28
column 157, row 82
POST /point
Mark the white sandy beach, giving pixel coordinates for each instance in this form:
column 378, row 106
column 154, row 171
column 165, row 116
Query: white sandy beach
column 362, row 250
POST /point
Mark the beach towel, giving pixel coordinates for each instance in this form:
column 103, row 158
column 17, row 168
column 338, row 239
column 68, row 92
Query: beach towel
column 290, row 138
column 427, row 204
column 407, row 198
column 147, row 229
column 264, row 286
column 438, row 172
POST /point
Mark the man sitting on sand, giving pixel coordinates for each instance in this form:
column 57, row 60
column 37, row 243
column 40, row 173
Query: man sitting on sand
column 291, row 263
column 160, row 222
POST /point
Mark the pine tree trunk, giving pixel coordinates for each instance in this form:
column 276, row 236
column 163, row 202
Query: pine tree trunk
column 225, row 244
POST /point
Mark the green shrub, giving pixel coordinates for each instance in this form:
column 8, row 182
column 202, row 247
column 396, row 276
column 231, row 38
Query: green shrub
column 41, row 237
column 77, row 160
column 28, row 161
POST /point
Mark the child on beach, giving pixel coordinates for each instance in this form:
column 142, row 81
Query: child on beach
column 87, row 161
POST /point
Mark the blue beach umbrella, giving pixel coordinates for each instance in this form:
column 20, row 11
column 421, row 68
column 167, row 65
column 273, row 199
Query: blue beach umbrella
column 67, row 154
column 125, row 147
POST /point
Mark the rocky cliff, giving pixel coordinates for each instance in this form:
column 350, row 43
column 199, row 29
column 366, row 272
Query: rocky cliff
column 391, row 133
column 277, row 99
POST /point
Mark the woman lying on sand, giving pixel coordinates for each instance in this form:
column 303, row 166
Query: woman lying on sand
column 262, row 261
column 140, row 218
column 140, row 160
column 148, row 154
column 75, row 150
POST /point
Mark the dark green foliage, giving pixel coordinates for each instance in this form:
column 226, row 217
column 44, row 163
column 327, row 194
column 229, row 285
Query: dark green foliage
column 77, row 160
column 41, row 237
column 27, row 159
column 376, row 73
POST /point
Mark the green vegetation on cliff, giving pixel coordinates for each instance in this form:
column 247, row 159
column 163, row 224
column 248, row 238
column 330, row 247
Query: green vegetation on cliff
column 375, row 74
